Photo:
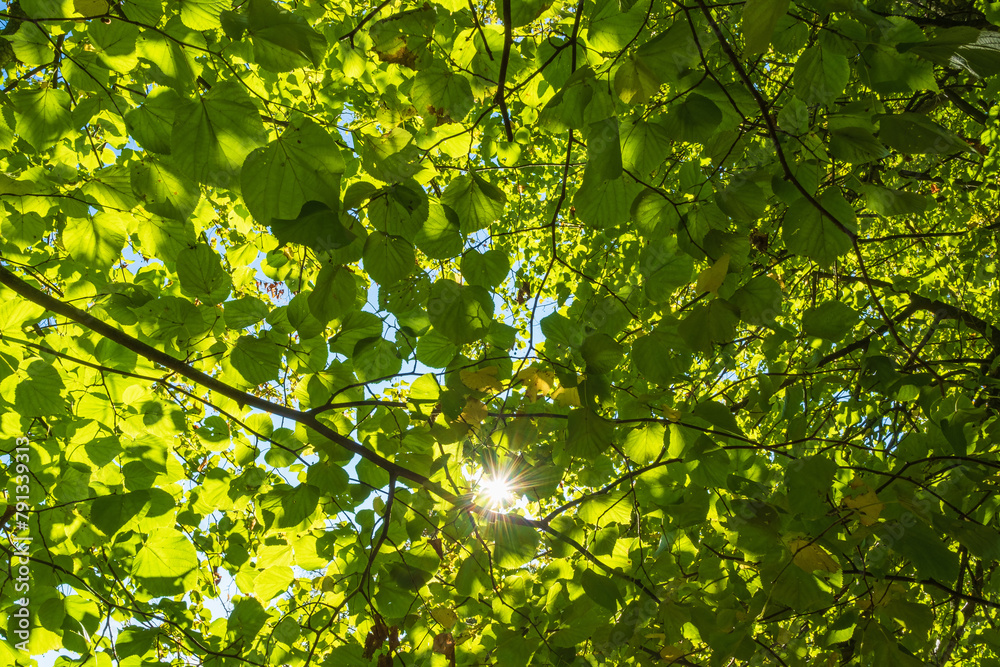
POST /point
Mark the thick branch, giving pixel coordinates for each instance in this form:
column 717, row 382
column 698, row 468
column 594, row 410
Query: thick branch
column 940, row 309
column 214, row 384
column 500, row 98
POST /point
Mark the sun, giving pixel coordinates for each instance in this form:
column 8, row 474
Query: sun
column 496, row 491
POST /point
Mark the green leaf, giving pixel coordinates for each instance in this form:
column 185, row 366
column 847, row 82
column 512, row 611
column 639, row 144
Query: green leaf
column 244, row 312
column 32, row 45
column 790, row 586
column 709, row 325
column 376, row 358
column 635, row 82
column 759, row 20
column 888, row 71
column 434, row 349
column 355, row 327
column 601, row 352
column 286, row 507
column 43, row 116
column 40, row 393
column 477, row 202
column 202, row 14
column 335, row 294
column 282, row 40
column 561, row 330
column 317, row 226
column 644, row 147
column 856, row 145
column 694, row 119
column 328, row 477
column 442, row 94
column 388, row 258
column 602, row 590
column 115, row 43
column 257, row 360
column 487, row 269
column 300, row 316
column 302, row 165
column 164, row 190
column 589, row 434
column 808, row 480
column 718, row 415
column 820, row 75
column 580, row 102
column 523, row 12
column 16, row 314
column 111, row 187
column 916, row 134
column 831, row 320
column 167, row 563
column 759, row 301
column 963, row 47
column 644, row 444
column 794, row 116
column 602, row 203
column 170, row 64
column 272, row 582
column 670, row 53
column 399, row 210
column 924, row 549
column 888, row 202
column 604, row 152
column 660, row 357
column 213, row 136
column 742, row 200
column 439, row 237
column 515, row 545
column 982, row 541
column 111, row 513
column 165, row 238
column 201, row 275
column 462, row 314
column 807, row 231
column 664, row 268
column 611, row 28
column 96, row 240
column 152, row 122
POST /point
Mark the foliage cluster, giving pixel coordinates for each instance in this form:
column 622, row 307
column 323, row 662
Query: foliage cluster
column 712, row 288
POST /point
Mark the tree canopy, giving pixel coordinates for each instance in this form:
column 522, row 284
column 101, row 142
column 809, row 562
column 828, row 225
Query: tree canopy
column 500, row 333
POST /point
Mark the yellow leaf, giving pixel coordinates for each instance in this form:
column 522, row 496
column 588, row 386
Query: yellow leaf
column 867, row 504
column 880, row 595
column 445, row 617
column 536, row 381
column 475, row 412
column 671, row 653
column 90, row 7
column 812, row 557
column 567, row 396
column 710, row 280
column 482, row 380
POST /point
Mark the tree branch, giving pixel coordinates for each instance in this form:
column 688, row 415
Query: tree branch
column 364, row 19
column 500, row 98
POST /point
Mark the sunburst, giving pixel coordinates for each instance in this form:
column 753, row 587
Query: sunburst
column 496, row 491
